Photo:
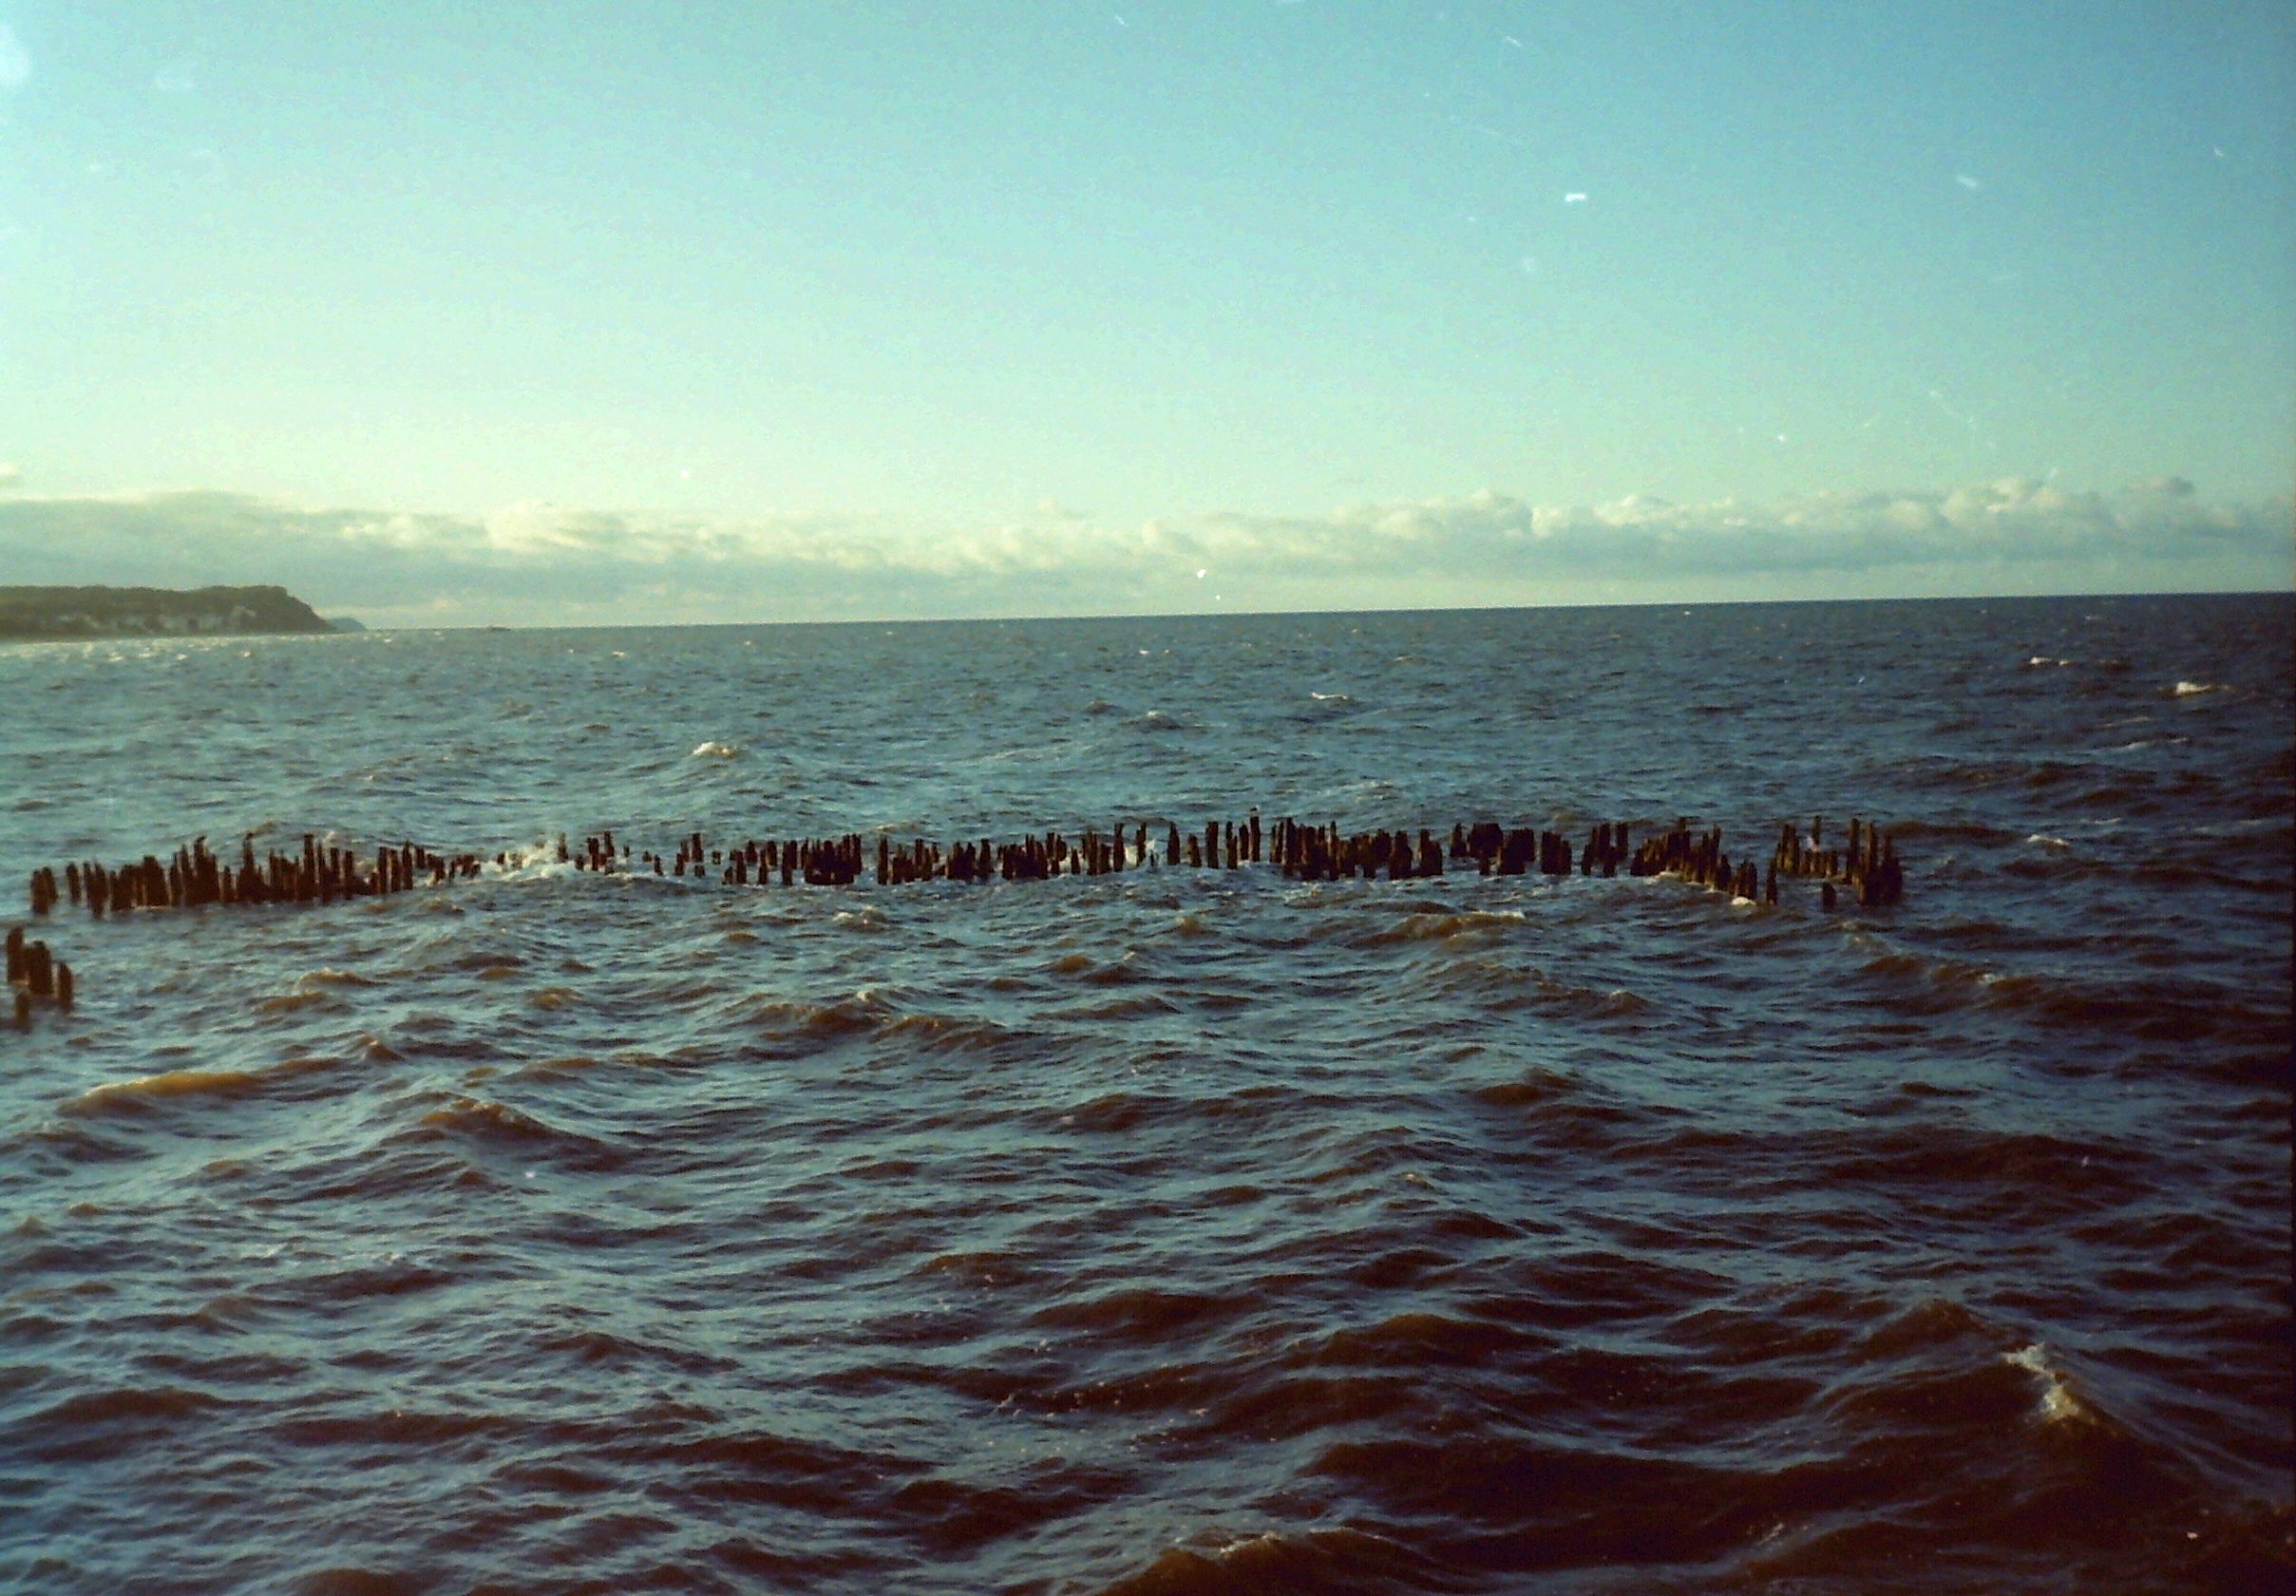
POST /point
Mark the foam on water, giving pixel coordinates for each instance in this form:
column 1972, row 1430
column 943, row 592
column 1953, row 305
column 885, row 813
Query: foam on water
column 2058, row 1403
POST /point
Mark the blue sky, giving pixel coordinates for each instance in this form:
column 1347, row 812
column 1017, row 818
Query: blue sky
column 1050, row 305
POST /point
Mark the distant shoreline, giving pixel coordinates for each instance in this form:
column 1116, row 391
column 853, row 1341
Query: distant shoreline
column 47, row 614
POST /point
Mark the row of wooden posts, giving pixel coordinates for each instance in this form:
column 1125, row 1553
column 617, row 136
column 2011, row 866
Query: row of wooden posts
column 1868, row 865
column 196, row 877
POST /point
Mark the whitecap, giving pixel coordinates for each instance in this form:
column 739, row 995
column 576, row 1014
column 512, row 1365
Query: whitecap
column 2194, row 689
column 717, row 751
column 2057, row 1399
column 539, row 862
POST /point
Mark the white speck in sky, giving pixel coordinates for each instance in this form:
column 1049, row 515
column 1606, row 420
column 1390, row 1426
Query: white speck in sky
column 1574, row 197
column 174, row 80
column 1967, row 182
column 1512, row 40
column 1969, row 420
column 1120, row 22
column 2219, row 149
column 1199, row 576
column 14, row 64
column 1531, row 265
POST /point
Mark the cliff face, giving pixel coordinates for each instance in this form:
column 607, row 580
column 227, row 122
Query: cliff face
column 144, row 612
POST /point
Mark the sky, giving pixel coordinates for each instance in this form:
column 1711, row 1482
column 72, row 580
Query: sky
column 453, row 313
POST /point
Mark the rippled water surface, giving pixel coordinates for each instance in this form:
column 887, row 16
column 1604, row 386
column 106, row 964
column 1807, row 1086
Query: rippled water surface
column 1176, row 1230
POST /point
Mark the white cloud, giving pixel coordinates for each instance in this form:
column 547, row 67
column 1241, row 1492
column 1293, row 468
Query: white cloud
column 540, row 563
column 9, row 475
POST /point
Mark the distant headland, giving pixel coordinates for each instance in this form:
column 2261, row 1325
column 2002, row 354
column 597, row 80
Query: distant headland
column 27, row 613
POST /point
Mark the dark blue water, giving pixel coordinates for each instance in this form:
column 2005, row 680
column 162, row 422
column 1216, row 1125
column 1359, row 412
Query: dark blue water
column 1176, row 1230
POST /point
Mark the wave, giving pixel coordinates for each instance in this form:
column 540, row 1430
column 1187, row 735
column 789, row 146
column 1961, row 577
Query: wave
column 346, row 1579
column 1951, row 830
column 1539, row 1086
column 1423, row 926
column 1422, row 1339
column 1144, row 1314
column 146, row 1092
column 96, row 1425
column 941, row 1033
column 1324, row 1562
column 1120, row 971
column 483, row 1122
column 857, row 1015
column 548, row 1068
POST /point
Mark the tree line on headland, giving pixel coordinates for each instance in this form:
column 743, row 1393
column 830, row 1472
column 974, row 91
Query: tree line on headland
column 34, row 614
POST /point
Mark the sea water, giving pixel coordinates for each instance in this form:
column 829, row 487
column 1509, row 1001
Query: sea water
column 1172, row 1230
